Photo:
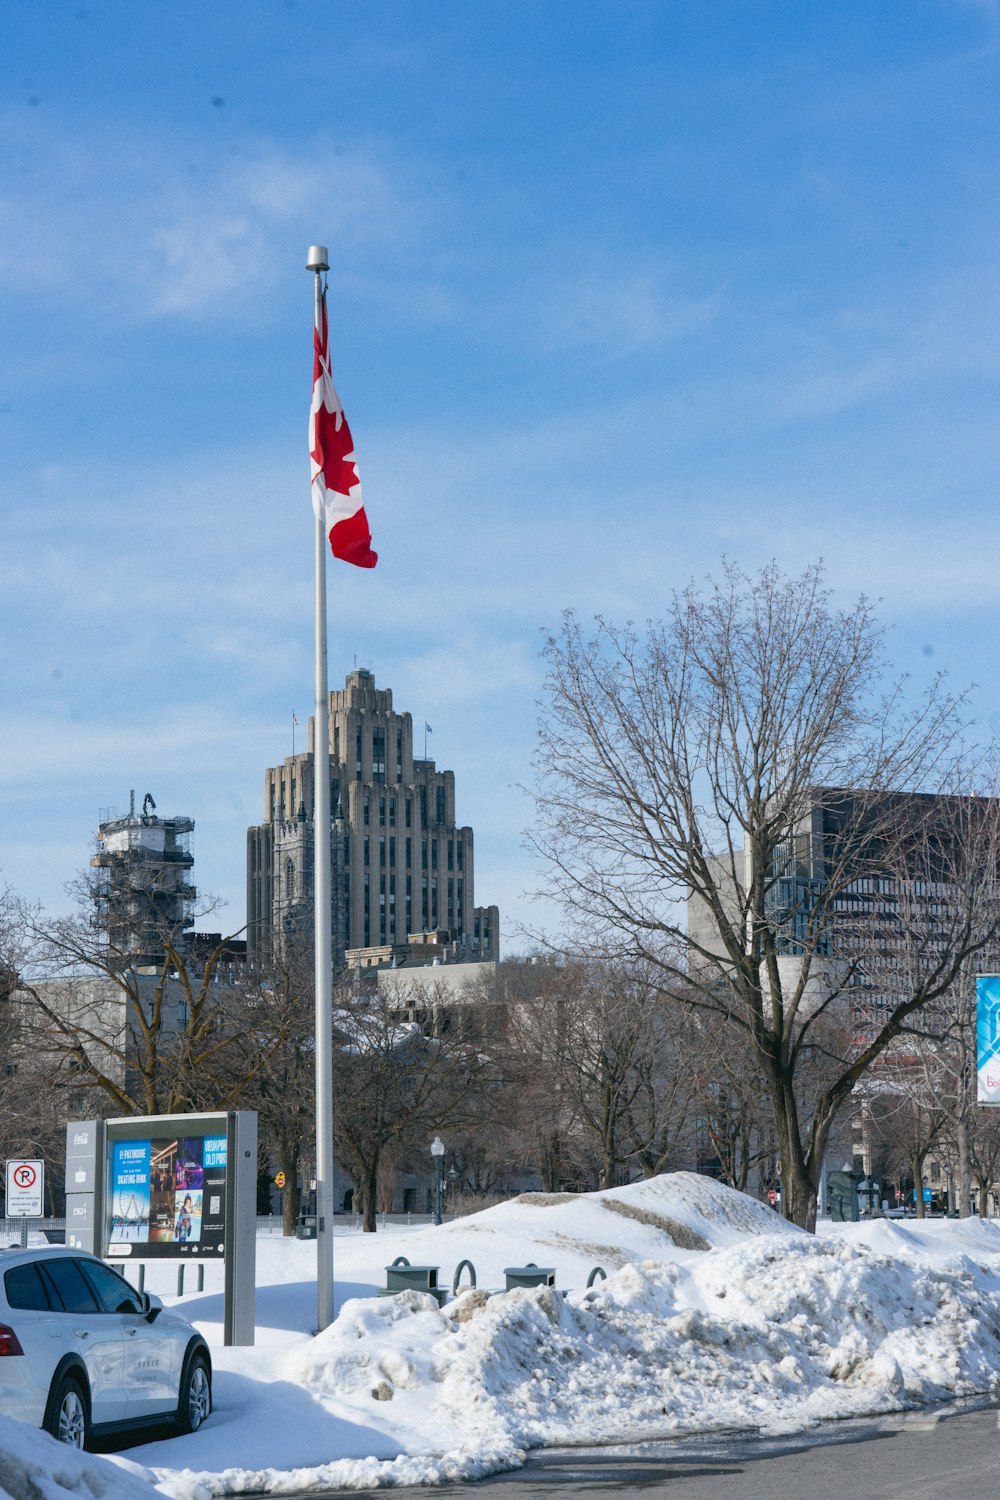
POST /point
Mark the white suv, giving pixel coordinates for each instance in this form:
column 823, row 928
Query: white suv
column 83, row 1354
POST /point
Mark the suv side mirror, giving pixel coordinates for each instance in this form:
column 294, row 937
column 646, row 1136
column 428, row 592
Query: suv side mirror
column 151, row 1306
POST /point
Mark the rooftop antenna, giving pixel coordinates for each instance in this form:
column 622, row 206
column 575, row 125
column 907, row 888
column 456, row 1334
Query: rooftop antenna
column 131, row 804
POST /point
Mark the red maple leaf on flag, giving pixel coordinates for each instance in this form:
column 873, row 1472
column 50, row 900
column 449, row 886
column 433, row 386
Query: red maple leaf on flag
column 335, row 471
column 334, row 451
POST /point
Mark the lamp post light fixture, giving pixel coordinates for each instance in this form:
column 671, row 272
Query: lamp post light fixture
column 437, row 1151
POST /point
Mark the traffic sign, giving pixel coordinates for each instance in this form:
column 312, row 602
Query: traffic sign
column 279, row 1180
column 25, row 1185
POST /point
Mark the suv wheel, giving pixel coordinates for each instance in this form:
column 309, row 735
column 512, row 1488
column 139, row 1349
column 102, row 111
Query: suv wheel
column 195, row 1401
column 66, row 1417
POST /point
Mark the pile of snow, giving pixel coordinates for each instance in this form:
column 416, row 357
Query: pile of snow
column 714, row 1313
column 33, row 1466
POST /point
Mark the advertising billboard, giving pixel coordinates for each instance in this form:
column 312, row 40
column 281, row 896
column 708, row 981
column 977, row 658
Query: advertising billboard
column 170, row 1187
column 168, row 1195
column 988, row 1038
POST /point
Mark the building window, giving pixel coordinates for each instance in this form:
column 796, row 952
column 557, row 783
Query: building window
column 451, row 855
column 409, row 854
column 423, row 854
column 381, row 812
column 423, row 807
column 290, row 879
column 440, row 804
column 399, row 753
column 460, row 854
column 381, row 850
column 409, row 819
column 364, row 811
column 336, row 744
column 367, row 851
column 378, row 754
column 434, row 854
column 392, row 850
column 357, row 755
column 392, row 812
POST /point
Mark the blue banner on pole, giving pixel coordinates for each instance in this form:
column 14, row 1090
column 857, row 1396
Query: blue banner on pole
column 988, row 1038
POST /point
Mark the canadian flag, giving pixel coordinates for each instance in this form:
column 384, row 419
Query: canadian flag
column 336, row 488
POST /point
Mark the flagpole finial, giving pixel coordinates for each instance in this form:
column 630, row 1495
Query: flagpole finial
column 317, row 258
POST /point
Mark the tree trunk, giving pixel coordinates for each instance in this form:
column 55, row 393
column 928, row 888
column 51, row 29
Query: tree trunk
column 918, row 1182
column 964, row 1168
column 799, row 1196
column 552, row 1164
column 606, row 1177
column 799, row 1185
column 288, row 1161
column 984, row 1190
column 369, row 1197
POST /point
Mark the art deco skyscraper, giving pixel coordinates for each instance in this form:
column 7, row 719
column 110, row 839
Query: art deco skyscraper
column 401, row 865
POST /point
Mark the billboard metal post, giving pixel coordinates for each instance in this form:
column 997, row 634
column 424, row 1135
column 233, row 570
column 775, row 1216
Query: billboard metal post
column 239, row 1303
column 85, row 1152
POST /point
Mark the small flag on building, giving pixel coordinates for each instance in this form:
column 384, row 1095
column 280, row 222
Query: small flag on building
column 427, row 728
column 336, row 488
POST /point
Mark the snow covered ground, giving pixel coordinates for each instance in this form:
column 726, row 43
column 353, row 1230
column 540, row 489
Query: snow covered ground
column 715, row 1313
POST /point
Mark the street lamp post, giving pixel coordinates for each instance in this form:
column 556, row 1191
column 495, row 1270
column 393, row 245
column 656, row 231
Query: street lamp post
column 437, row 1151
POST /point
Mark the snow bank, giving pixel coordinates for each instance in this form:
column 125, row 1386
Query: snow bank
column 715, row 1313
column 33, row 1466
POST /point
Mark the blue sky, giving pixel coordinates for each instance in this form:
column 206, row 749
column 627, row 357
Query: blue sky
column 615, row 290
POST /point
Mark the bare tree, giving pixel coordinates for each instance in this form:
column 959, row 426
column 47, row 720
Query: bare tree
column 394, row 1084
column 984, row 1154
column 734, row 1110
column 135, row 1038
column 625, row 1078
column 741, row 758
column 275, row 1057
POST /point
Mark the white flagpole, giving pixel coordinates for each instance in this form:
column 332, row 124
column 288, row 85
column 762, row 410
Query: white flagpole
column 317, row 260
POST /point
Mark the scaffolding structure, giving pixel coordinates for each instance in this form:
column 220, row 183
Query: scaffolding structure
column 143, row 896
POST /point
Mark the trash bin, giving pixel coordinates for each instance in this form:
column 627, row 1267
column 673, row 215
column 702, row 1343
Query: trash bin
column 529, row 1276
column 305, row 1228
column 402, row 1277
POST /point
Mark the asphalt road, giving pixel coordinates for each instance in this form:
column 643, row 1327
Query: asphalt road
column 918, row 1456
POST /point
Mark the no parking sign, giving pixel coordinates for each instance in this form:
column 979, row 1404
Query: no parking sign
column 25, row 1183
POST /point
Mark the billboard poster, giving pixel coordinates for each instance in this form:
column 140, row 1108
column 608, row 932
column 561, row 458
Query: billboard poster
column 988, row 1038
column 167, row 1195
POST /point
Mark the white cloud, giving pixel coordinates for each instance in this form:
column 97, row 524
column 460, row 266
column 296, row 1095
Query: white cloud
column 615, row 310
column 165, row 226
